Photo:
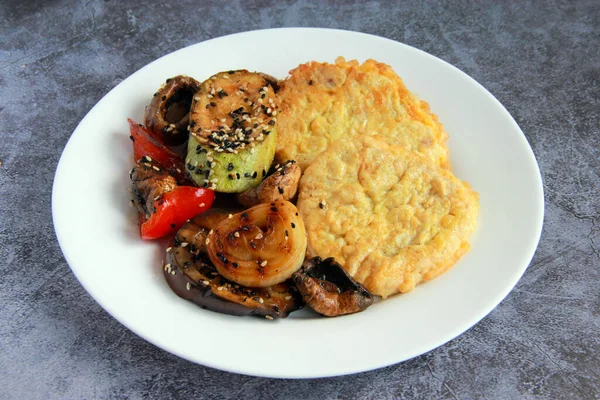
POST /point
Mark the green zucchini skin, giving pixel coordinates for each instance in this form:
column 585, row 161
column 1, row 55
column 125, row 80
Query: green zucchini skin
column 233, row 132
column 234, row 173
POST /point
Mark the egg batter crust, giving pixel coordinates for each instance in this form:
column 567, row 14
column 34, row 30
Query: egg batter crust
column 390, row 216
column 320, row 103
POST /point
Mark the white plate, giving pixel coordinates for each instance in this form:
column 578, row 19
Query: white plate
column 97, row 231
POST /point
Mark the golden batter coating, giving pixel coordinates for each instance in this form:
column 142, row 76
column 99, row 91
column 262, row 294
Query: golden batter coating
column 320, row 103
column 391, row 217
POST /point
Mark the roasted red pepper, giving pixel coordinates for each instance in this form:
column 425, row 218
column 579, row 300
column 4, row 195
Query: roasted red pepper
column 146, row 144
column 174, row 208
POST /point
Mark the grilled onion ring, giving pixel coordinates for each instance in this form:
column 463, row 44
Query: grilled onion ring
column 259, row 247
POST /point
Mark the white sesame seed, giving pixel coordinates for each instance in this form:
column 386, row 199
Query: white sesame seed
column 211, row 232
column 230, row 216
column 262, row 264
column 155, row 168
column 169, row 249
column 288, row 297
column 187, row 286
column 260, row 300
column 274, row 112
column 173, row 272
column 202, row 204
column 207, row 241
column 184, row 244
column 220, row 288
column 259, row 236
column 268, row 317
column 236, row 234
column 213, row 187
column 206, row 282
column 210, row 96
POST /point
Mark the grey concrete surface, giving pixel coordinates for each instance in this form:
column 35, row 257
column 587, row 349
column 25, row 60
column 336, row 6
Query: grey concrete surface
column 540, row 59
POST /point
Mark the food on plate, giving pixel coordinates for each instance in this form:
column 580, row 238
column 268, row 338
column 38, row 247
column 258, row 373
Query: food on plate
column 145, row 144
column 167, row 116
column 192, row 276
column 321, row 103
column 390, row 216
column 329, row 290
column 378, row 208
column 280, row 184
column 232, row 131
column 259, row 247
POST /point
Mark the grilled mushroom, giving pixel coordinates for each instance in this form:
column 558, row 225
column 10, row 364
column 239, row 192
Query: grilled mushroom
column 168, row 113
column 329, row 290
column 281, row 184
column 192, row 276
column 148, row 182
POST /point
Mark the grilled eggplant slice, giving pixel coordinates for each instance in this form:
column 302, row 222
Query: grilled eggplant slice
column 168, row 113
column 191, row 275
column 232, row 132
column 259, row 247
column 328, row 289
column 280, row 184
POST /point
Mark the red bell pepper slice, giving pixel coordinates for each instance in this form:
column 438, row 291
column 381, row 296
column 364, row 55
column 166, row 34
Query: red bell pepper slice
column 174, row 208
column 146, row 144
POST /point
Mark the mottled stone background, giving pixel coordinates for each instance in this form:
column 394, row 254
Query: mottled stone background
column 540, row 59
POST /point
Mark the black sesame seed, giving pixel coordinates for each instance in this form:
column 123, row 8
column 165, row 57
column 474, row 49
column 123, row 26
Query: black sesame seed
column 237, row 175
column 264, row 173
column 247, row 174
column 255, row 174
column 164, row 98
column 271, row 122
column 132, row 138
column 223, row 259
column 212, row 103
column 230, row 167
column 234, row 265
column 293, row 225
column 310, row 82
column 253, row 245
column 280, row 189
column 321, row 206
column 287, row 233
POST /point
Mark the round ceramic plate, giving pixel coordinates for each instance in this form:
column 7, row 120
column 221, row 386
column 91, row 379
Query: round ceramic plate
column 98, row 234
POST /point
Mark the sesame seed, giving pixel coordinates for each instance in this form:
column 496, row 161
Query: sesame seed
column 187, row 286
column 230, row 216
column 184, row 244
column 264, row 263
column 202, row 204
column 155, row 168
column 236, row 234
column 269, row 317
column 210, row 96
column 206, row 282
column 220, row 288
column 173, row 272
column 207, row 241
column 261, row 301
column 259, row 236
column 288, row 297
column 169, row 249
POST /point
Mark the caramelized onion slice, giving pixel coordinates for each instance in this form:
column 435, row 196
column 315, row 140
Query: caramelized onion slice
column 259, row 247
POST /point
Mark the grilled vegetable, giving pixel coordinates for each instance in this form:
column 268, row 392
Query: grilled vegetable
column 148, row 182
column 146, row 144
column 281, row 184
column 329, row 290
column 174, row 208
column 164, row 205
column 259, row 247
column 232, row 132
column 168, row 113
column 191, row 275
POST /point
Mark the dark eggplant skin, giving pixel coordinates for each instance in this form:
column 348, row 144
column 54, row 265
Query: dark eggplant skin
column 191, row 275
column 328, row 289
column 167, row 116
